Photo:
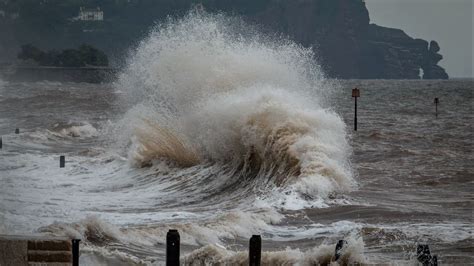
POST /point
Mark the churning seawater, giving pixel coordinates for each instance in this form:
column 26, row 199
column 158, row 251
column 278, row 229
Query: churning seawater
column 221, row 133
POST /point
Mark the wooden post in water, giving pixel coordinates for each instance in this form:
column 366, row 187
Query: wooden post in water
column 1, row 142
column 436, row 101
column 172, row 248
column 17, row 131
column 255, row 250
column 36, row 250
column 355, row 95
column 62, row 161
column 423, row 255
column 338, row 251
column 75, row 252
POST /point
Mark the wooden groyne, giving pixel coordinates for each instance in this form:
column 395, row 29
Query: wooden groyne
column 37, row 251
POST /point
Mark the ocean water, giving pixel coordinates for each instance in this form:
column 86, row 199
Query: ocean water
column 221, row 133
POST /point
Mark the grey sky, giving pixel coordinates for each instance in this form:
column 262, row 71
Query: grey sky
column 449, row 22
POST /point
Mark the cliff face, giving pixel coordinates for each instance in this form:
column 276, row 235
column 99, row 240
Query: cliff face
column 346, row 44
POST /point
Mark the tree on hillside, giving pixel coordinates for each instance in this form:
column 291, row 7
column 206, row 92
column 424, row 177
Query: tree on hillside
column 28, row 51
column 92, row 56
column 86, row 55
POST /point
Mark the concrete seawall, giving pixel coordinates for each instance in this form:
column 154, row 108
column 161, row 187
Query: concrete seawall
column 35, row 251
column 64, row 74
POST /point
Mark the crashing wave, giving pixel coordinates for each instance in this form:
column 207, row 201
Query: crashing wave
column 205, row 91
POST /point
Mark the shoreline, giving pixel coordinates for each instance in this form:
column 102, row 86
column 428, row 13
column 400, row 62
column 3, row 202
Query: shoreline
column 93, row 74
column 64, row 74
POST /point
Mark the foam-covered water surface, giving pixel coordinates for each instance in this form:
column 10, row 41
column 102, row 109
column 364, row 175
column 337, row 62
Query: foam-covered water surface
column 221, row 132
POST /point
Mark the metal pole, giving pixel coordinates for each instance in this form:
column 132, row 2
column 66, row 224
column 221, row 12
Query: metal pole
column 75, row 252
column 172, row 248
column 355, row 94
column 255, row 250
column 62, row 161
column 355, row 113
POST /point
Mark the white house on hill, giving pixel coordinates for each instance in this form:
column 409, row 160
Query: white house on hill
column 86, row 14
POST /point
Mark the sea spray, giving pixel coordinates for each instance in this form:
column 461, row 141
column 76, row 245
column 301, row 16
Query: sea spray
column 206, row 92
column 97, row 235
column 320, row 255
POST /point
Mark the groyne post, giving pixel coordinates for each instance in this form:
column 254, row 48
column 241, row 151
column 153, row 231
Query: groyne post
column 338, row 251
column 35, row 250
column 172, row 248
column 75, row 252
column 1, row 142
column 62, row 161
column 17, row 131
column 355, row 95
column 255, row 250
column 423, row 255
column 436, row 101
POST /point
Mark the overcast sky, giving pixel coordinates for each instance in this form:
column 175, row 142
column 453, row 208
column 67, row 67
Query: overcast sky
column 449, row 22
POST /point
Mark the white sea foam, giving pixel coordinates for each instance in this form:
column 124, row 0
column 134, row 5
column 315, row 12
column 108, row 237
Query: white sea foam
column 84, row 129
column 99, row 233
column 204, row 92
column 319, row 255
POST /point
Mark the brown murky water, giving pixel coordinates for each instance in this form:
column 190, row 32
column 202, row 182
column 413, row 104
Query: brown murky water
column 414, row 173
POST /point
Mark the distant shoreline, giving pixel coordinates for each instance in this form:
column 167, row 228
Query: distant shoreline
column 88, row 74
column 91, row 74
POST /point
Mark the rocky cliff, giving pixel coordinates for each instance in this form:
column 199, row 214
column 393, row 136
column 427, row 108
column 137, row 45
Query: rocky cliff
column 346, row 44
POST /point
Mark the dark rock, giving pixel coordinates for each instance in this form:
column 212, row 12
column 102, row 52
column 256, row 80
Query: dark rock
column 430, row 66
column 434, row 47
column 347, row 45
column 434, row 72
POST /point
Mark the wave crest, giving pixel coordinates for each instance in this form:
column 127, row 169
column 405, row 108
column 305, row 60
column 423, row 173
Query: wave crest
column 207, row 92
column 157, row 142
